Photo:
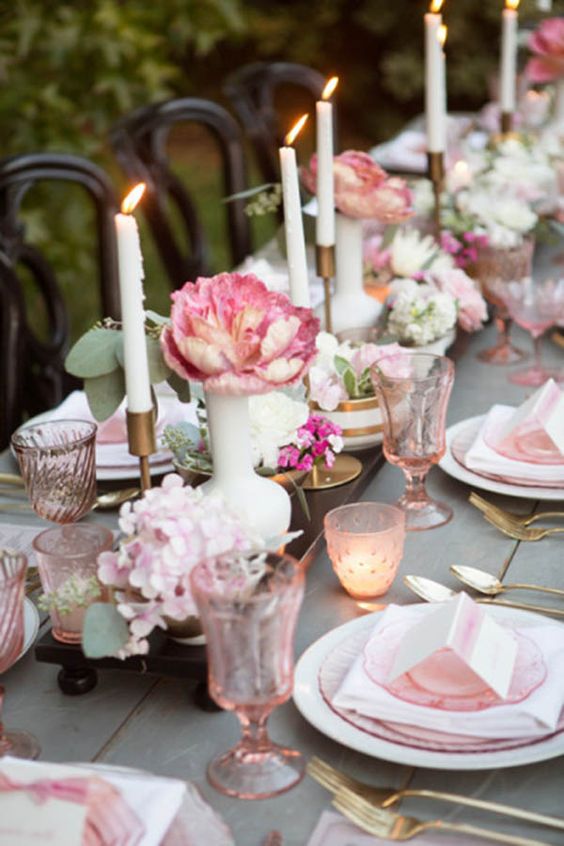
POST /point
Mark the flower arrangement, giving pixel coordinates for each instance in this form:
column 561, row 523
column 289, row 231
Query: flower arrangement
column 464, row 249
column 236, row 337
column 362, row 189
column 316, row 443
column 75, row 592
column 547, row 45
column 419, row 313
column 166, row 533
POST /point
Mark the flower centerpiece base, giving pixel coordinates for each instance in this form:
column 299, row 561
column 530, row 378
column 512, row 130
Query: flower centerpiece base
column 345, row 469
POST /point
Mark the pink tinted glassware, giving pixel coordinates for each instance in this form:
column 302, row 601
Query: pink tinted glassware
column 365, row 544
column 58, row 464
column 13, row 567
column 67, row 563
column 249, row 623
column 535, row 307
column 494, row 268
column 413, row 416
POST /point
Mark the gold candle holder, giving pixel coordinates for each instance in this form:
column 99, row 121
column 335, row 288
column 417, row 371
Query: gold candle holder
column 436, row 173
column 506, row 123
column 142, row 441
column 325, row 264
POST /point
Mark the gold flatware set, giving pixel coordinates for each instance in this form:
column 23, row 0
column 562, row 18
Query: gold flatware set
column 517, row 526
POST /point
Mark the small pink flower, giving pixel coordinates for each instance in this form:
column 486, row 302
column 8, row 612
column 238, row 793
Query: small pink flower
column 547, row 42
column 472, row 310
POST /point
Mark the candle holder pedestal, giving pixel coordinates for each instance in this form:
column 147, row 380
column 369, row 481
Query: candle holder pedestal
column 506, row 123
column 142, row 441
column 436, row 173
column 325, row 265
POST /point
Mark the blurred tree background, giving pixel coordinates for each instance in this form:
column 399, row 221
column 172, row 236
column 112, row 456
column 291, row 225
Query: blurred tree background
column 69, row 69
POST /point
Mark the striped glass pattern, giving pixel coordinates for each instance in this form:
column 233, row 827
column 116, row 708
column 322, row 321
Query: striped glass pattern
column 13, row 566
column 58, row 464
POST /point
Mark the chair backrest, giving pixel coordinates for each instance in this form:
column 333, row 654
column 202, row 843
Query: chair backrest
column 140, row 142
column 12, row 321
column 252, row 91
column 42, row 373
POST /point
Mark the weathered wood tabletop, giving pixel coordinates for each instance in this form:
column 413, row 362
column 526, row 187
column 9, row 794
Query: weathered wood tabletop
column 152, row 724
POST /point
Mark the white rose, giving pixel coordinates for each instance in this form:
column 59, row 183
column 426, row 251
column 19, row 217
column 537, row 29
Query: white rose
column 275, row 419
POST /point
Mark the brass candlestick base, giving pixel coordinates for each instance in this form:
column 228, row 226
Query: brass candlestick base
column 142, row 441
column 436, row 173
column 345, row 469
column 325, row 264
column 506, row 123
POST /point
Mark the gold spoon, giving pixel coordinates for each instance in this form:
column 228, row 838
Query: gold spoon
column 432, row 591
column 486, row 583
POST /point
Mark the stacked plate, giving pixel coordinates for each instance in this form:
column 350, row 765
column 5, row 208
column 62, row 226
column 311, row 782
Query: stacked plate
column 429, row 717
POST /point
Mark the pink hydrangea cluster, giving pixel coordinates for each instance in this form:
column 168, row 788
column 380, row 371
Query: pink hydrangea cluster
column 464, row 249
column 317, row 442
column 167, row 532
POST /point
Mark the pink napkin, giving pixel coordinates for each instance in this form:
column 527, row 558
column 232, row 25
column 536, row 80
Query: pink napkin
column 536, row 715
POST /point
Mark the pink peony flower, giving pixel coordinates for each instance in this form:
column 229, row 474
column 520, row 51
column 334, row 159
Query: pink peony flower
column 363, row 190
column 547, row 41
column 237, row 337
column 471, row 305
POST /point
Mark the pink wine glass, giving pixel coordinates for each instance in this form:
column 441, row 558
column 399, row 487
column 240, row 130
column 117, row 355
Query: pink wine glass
column 414, row 410
column 248, row 610
column 495, row 267
column 13, row 567
column 536, row 308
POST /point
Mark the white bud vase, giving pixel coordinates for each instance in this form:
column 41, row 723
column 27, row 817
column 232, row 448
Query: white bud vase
column 351, row 306
column 260, row 501
column 559, row 103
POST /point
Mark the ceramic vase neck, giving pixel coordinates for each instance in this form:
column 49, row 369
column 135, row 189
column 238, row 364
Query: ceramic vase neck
column 230, row 437
column 348, row 255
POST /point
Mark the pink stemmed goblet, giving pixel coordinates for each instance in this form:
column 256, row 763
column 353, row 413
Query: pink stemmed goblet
column 414, row 404
column 13, row 567
column 58, row 465
column 248, row 610
column 536, row 308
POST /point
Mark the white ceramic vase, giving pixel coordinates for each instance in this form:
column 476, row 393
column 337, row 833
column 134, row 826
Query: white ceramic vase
column 351, row 306
column 260, row 501
column 438, row 347
column 559, row 102
column 360, row 420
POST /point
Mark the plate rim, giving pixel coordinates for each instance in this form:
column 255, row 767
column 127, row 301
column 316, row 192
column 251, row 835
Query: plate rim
column 310, row 703
column 452, row 468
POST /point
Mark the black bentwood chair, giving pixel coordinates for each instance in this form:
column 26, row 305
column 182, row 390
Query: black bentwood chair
column 141, row 144
column 252, row 90
column 39, row 380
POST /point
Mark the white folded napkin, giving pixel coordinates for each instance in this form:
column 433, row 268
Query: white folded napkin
column 408, row 151
column 536, row 715
column 275, row 277
column 481, row 457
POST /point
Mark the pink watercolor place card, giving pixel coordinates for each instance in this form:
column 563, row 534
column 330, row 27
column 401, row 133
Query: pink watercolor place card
column 477, row 646
column 544, row 410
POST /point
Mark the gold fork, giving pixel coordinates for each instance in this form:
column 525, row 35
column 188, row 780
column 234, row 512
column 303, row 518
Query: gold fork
column 397, row 827
column 333, row 780
column 522, row 533
column 523, row 520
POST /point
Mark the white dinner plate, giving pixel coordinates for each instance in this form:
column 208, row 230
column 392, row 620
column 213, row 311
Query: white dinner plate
column 453, row 468
column 313, row 707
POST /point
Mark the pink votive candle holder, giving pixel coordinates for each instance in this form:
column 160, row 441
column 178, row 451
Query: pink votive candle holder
column 365, row 544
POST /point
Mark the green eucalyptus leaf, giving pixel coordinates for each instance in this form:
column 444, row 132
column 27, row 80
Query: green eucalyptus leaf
column 300, row 493
column 159, row 371
column 104, row 632
column 156, row 318
column 105, row 393
column 180, row 386
column 389, row 236
column 94, row 354
column 349, row 381
column 249, row 192
column 341, row 364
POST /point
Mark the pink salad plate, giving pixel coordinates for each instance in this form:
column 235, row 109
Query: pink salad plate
column 338, row 662
column 534, row 446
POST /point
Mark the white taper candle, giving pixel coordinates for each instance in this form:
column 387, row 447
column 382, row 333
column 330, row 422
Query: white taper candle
column 434, row 85
column 294, row 229
column 325, row 222
column 508, row 72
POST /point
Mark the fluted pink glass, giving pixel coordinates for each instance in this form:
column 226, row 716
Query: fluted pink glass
column 413, row 416
column 67, row 563
column 249, row 623
column 58, row 465
column 13, row 567
column 365, row 544
column 494, row 268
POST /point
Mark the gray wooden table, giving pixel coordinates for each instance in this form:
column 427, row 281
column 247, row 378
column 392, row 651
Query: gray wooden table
column 151, row 723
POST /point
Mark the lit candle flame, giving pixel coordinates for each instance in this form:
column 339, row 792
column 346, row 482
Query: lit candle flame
column 442, row 35
column 511, row 4
column 435, row 6
column 330, row 87
column 295, row 130
column 130, row 202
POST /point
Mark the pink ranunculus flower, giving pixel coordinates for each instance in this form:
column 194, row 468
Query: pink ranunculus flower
column 363, row 190
column 237, row 337
column 472, row 310
column 369, row 354
column 547, row 42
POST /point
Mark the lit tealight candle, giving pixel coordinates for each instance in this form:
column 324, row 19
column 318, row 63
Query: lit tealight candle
column 293, row 221
column 325, row 223
column 130, row 261
column 434, row 85
column 508, row 74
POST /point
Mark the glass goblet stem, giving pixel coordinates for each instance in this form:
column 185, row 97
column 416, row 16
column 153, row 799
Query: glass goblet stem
column 415, row 491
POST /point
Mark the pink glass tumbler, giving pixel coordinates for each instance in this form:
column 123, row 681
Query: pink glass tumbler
column 414, row 410
column 13, row 567
column 249, row 620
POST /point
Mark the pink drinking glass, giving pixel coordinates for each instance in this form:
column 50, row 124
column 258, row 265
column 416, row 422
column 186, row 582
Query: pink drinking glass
column 13, row 567
column 248, row 613
column 536, row 308
column 58, row 465
column 414, row 410
column 365, row 544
